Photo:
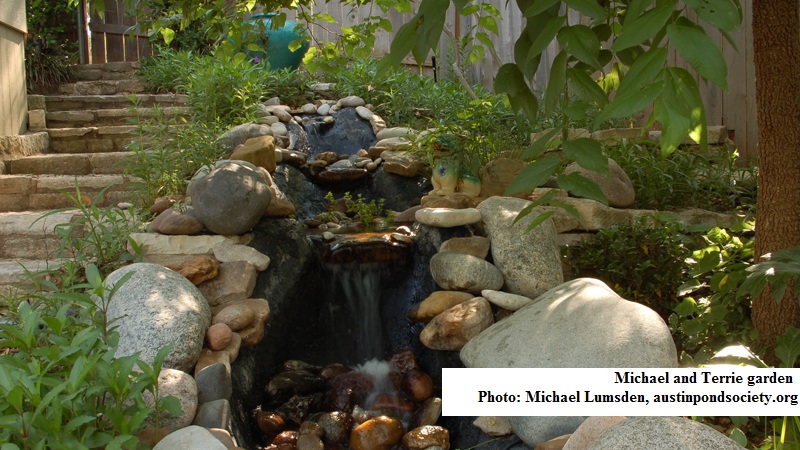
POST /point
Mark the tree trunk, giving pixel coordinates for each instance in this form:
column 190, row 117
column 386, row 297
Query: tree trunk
column 776, row 50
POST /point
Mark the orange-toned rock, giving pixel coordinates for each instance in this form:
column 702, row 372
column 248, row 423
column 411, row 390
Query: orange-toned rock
column 259, row 151
column 418, row 385
column 378, row 433
column 219, row 336
column 236, row 316
column 436, row 303
column 426, row 436
column 197, row 269
column 453, row 328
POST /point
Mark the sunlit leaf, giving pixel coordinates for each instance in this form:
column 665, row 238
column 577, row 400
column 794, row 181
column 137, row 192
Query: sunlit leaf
column 580, row 186
column 588, row 153
column 534, row 174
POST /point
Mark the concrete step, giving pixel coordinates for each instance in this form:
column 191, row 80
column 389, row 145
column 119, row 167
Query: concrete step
column 108, row 117
column 32, row 192
column 69, row 164
column 31, row 234
column 14, row 273
column 117, row 101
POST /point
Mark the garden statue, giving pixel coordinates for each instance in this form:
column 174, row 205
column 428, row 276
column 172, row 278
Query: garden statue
column 452, row 171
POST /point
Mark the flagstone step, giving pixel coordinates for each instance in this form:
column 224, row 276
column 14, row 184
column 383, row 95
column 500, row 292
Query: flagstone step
column 117, row 101
column 32, row 192
column 15, row 273
column 70, row 164
column 109, row 117
column 31, row 234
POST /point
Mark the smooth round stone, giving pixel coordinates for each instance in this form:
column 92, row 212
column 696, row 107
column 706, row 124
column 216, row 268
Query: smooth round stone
column 309, row 442
column 399, row 237
column 237, row 316
column 474, row 245
column 462, row 272
column 393, row 132
column 421, row 438
column 279, row 129
column 446, row 218
column 336, row 426
column 371, row 166
column 511, row 302
column 364, row 113
column 309, row 108
column 427, row 414
column 417, row 385
column 329, row 119
column 379, row 433
column 328, row 236
column 493, row 425
column 452, row 329
column 351, row 101
column 219, row 336
column 436, row 303
column 269, row 423
column 324, row 109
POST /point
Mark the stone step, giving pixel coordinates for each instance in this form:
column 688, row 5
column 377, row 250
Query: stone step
column 117, row 101
column 31, row 234
column 107, row 71
column 32, row 192
column 108, row 117
column 14, row 273
column 112, row 138
column 103, row 87
column 23, row 145
column 69, row 164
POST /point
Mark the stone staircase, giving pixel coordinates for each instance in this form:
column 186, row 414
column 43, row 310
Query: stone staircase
column 78, row 137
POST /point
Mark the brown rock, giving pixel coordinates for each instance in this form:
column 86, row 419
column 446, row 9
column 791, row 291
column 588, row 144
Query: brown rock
column 164, row 203
column 219, row 336
column 498, row 174
column 379, row 433
column 209, row 357
column 452, row 201
column 477, row 246
column 280, row 205
column 392, row 404
column 554, row 444
column 236, row 316
column 436, row 303
column 426, row 436
column 198, row 269
column 150, row 436
column 407, row 216
column 402, row 163
column 418, row 385
column 341, row 175
column 174, row 222
column 286, row 437
column 269, row 422
column 309, row 427
column 428, row 413
column 259, row 151
column 453, row 328
column 309, row 442
column 253, row 334
column 336, row 426
column 236, row 281
column 403, row 360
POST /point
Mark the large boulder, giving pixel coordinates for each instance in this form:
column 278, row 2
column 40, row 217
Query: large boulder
column 616, row 186
column 156, row 307
column 231, row 199
column 662, row 433
column 530, row 261
column 581, row 323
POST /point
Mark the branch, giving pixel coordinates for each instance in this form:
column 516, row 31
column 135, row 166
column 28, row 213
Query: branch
column 456, row 68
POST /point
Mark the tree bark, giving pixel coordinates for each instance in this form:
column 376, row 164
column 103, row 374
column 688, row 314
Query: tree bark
column 776, row 50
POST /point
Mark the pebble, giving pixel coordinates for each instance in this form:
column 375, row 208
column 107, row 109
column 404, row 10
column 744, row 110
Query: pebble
column 309, row 108
column 219, row 336
column 378, row 433
column 364, row 113
column 236, row 316
column 511, row 302
column 351, row 101
column 324, row 109
column 328, row 236
column 421, row 438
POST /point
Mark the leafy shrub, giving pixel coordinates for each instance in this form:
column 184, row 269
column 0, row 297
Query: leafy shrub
column 709, row 180
column 167, row 70
column 167, row 151
column 713, row 314
column 51, row 46
column 60, row 384
column 644, row 262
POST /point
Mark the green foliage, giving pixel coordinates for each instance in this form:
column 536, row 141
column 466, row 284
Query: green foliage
column 51, row 46
column 643, row 262
column 780, row 270
column 60, row 384
column 711, row 314
column 96, row 236
column 167, row 70
column 366, row 212
column 167, row 151
column 687, row 178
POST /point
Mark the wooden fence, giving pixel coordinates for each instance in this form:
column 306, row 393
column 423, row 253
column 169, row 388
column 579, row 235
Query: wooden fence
column 735, row 108
column 13, row 97
column 108, row 38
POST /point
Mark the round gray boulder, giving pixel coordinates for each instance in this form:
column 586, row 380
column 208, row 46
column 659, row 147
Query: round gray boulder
column 581, row 323
column 158, row 307
column 231, row 199
column 616, row 186
column 662, row 433
column 461, row 272
column 530, row 261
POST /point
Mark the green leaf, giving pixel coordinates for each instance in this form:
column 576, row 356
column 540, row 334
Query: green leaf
column 643, row 28
column 687, row 307
column 680, row 110
column 588, row 153
column 534, row 174
column 510, row 81
column 168, row 34
column 326, row 18
column 588, row 8
column 540, row 145
column 489, row 23
column 545, row 36
column 723, row 14
column 539, row 220
column 635, row 9
column 585, row 88
column 581, row 42
column 555, row 86
column 739, row 437
column 580, row 186
column 471, row 9
column 788, row 347
column 643, row 71
column 538, row 7
column 700, row 51
column 709, row 261
column 629, row 103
